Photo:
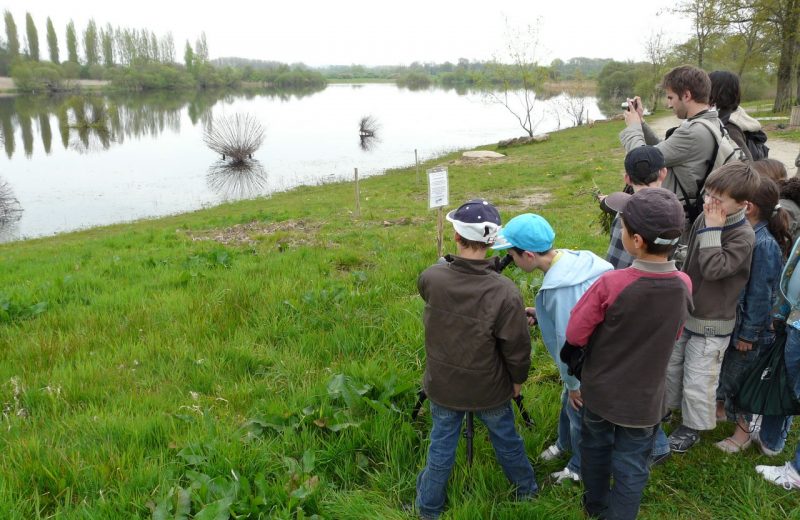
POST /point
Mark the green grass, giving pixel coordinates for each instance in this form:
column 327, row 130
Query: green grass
column 360, row 80
column 147, row 374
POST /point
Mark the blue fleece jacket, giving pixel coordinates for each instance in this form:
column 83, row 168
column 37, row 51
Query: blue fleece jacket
column 563, row 285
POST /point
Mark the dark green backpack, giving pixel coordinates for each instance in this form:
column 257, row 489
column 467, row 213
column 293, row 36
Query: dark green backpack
column 765, row 388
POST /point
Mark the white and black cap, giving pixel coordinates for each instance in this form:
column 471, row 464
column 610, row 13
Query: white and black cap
column 477, row 220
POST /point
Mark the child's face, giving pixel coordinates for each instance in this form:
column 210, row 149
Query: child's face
column 523, row 261
column 729, row 205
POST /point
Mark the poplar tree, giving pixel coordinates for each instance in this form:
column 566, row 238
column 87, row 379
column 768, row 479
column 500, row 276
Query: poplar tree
column 188, row 57
column 201, row 49
column 90, row 43
column 11, row 35
column 107, row 38
column 72, row 43
column 52, row 41
column 33, row 37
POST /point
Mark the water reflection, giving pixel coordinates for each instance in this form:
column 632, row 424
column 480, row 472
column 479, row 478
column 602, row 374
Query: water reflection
column 236, row 179
column 94, row 122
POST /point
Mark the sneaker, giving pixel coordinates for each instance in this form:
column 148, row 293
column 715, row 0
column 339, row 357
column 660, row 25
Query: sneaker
column 655, row 460
column 785, row 476
column 565, row 474
column 551, row 453
column 756, row 438
column 683, row 438
column 755, row 423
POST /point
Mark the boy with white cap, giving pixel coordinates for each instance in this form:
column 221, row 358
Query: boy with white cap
column 478, row 348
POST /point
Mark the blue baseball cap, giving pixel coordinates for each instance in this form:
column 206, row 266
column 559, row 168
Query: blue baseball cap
column 528, row 232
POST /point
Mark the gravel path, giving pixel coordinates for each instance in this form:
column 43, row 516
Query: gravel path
column 784, row 151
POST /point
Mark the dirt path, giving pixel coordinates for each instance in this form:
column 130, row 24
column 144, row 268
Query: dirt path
column 7, row 83
column 784, row 151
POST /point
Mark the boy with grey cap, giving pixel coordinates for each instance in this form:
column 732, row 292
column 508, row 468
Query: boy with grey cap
column 619, row 340
column 478, row 352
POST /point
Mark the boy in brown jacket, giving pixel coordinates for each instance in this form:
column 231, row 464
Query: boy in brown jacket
column 478, row 348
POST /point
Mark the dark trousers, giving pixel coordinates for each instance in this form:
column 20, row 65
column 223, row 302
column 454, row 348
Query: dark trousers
column 619, row 452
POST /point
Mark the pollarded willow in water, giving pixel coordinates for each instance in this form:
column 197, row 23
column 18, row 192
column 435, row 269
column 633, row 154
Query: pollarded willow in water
column 368, row 133
column 236, row 137
column 10, row 210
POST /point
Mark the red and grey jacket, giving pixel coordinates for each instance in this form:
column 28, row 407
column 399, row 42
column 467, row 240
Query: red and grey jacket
column 628, row 322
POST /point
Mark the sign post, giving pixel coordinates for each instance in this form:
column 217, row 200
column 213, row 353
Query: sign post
column 438, row 193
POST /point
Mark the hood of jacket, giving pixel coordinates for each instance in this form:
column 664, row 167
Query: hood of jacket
column 574, row 268
column 744, row 121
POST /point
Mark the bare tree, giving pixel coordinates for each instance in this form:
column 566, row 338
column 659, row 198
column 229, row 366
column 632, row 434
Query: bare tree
column 520, row 77
column 574, row 106
column 748, row 22
column 10, row 209
column 657, row 49
column 707, row 19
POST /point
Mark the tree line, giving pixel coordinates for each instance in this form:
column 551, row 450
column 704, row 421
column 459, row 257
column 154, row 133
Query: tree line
column 136, row 59
column 756, row 39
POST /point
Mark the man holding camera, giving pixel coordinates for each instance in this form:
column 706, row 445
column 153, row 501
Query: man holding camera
column 689, row 149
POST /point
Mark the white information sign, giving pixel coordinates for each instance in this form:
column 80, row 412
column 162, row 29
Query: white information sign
column 438, row 190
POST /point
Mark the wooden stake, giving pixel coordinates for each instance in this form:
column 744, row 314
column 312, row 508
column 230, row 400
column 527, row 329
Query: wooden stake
column 416, row 161
column 440, row 232
column 358, row 198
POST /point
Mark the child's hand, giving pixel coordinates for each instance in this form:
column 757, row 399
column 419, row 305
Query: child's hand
column 744, row 346
column 575, row 400
column 531, row 313
column 517, row 389
column 714, row 213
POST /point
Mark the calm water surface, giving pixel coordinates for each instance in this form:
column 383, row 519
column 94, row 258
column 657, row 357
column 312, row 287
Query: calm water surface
column 146, row 156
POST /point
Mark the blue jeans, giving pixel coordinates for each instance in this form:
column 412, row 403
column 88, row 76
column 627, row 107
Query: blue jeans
column 661, row 443
column 508, row 448
column 569, row 432
column 621, row 452
column 775, row 428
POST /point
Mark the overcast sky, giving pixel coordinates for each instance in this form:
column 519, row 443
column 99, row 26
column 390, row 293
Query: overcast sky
column 373, row 33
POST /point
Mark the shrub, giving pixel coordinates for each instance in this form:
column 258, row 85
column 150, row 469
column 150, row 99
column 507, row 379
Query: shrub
column 37, row 76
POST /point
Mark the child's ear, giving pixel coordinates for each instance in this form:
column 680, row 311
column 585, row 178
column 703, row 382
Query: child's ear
column 662, row 174
column 638, row 241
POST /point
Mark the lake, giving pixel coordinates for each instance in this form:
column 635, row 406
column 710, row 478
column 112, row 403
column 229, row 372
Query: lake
column 79, row 161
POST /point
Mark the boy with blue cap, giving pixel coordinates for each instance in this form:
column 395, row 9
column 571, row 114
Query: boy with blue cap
column 567, row 275
column 478, row 352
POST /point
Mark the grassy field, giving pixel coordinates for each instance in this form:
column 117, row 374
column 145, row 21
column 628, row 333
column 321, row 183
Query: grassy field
column 261, row 359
